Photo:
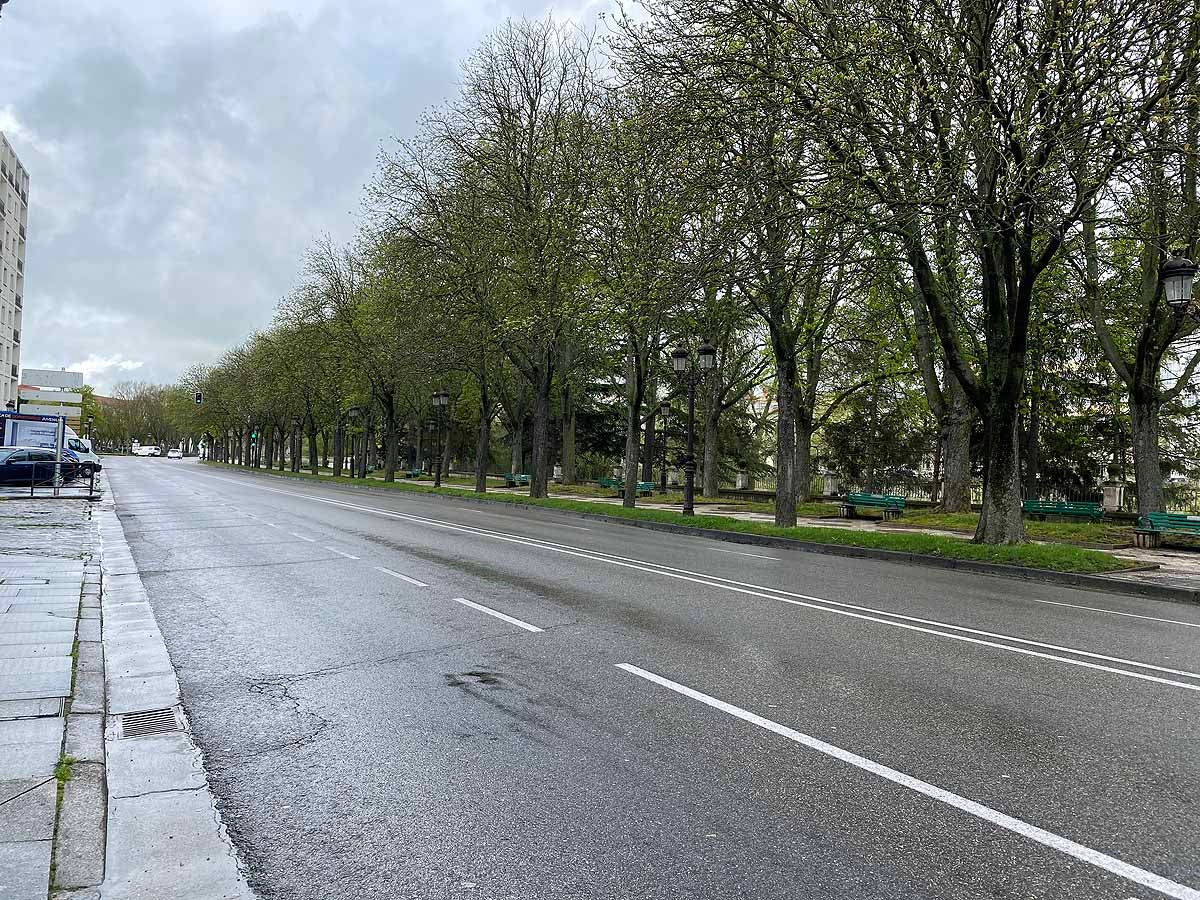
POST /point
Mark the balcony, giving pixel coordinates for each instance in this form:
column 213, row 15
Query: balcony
column 20, row 267
column 18, row 301
column 16, row 336
column 21, row 231
column 14, row 370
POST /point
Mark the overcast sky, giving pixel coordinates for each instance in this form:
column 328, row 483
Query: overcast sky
column 182, row 156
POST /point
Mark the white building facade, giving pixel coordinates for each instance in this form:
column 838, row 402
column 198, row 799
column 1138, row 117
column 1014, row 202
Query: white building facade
column 14, row 221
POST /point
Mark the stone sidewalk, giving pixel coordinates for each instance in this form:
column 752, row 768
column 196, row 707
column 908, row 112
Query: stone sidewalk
column 49, row 599
column 103, row 794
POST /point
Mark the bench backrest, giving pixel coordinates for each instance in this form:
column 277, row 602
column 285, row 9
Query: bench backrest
column 1061, row 506
column 875, row 500
column 1174, row 520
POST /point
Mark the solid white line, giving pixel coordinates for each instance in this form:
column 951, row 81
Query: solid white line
column 498, row 615
column 742, row 553
column 502, row 516
column 311, row 540
column 395, row 574
column 1113, row 612
column 340, row 553
column 986, row 813
column 777, row 594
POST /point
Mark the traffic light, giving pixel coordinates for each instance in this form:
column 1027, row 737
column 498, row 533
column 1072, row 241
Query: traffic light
column 199, row 398
column 254, row 437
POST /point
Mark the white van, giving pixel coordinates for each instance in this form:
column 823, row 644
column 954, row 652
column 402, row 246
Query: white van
column 88, row 460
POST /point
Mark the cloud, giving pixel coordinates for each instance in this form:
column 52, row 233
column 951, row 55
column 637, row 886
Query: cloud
column 102, row 365
column 184, row 156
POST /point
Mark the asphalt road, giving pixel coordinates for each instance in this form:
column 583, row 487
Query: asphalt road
column 658, row 716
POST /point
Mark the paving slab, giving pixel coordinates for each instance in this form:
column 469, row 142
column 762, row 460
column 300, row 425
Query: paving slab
column 160, row 762
column 24, row 870
column 85, row 737
column 24, row 709
column 135, row 693
column 166, row 845
column 137, row 658
column 27, row 809
column 29, row 748
column 79, row 848
column 31, row 649
column 35, row 687
column 89, row 693
column 89, row 629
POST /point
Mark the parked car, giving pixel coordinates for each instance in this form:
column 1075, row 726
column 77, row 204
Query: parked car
column 174, row 453
column 23, row 466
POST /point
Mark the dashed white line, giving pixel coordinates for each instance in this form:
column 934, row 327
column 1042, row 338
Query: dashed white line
column 341, row 553
column 986, row 813
column 743, row 553
column 499, row 615
column 302, row 537
column 402, row 577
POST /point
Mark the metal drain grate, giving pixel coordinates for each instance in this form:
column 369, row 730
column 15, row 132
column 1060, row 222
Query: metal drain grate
column 151, row 721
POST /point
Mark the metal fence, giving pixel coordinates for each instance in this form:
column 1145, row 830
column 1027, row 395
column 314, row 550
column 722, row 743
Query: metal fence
column 82, row 487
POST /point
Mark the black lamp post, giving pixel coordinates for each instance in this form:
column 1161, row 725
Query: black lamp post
column 91, row 423
column 664, row 410
column 681, row 362
column 1178, row 279
column 441, row 400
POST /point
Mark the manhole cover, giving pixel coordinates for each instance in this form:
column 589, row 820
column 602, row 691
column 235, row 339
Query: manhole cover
column 150, row 721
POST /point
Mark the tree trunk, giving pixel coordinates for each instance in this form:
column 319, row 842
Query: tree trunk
column 712, row 477
column 539, row 478
column 517, row 463
column 339, row 446
column 1001, row 521
column 1147, row 463
column 284, row 447
column 569, row 465
column 314, row 458
column 368, row 446
column 633, row 426
column 269, row 436
column 785, row 445
column 391, row 438
column 804, row 436
column 956, row 450
column 325, row 448
column 648, row 444
column 483, row 439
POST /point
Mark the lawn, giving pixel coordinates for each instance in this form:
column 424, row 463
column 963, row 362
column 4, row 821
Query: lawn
column 1054, row 557
column 1103, row 533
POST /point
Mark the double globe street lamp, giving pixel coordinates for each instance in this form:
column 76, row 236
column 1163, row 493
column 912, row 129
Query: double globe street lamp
column 681, row 362
column 1178, row 279
column 441, row 400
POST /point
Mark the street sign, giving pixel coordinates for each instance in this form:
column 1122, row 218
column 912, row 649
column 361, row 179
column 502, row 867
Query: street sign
column 42, row 409
column 50, row 396
column 51, row 378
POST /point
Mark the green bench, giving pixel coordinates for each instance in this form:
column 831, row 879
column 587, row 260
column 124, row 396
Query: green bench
column 516, row 480
column 644, row 488
column 1151, row 528
column 414, row 473
column 891, row 505
column 1039, row 509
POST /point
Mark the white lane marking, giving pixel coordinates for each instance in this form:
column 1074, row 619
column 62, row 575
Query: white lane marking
column 986, row 813
column 1113, row 612
column 302, row 537
column 341, row 553
column 499, row 615
column 743, row 553
column 396, row 574
column 502, row 516
column 777, row 594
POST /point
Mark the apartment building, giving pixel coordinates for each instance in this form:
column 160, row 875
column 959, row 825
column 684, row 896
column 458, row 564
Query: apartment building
column 14, row 220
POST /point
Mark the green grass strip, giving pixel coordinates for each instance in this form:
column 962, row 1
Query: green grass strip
column 1053, row 557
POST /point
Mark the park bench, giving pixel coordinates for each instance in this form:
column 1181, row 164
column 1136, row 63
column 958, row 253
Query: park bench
column 1151, row 528
column 1039, row 509
column 516, row 480
column 413, row 473
column 644, row 488
column 891, row 505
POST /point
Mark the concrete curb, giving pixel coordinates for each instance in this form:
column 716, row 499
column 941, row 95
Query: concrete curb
column 1086, row 582
column 165, row 835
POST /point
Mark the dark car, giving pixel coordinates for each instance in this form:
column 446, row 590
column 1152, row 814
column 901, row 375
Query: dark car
column 23, row 466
